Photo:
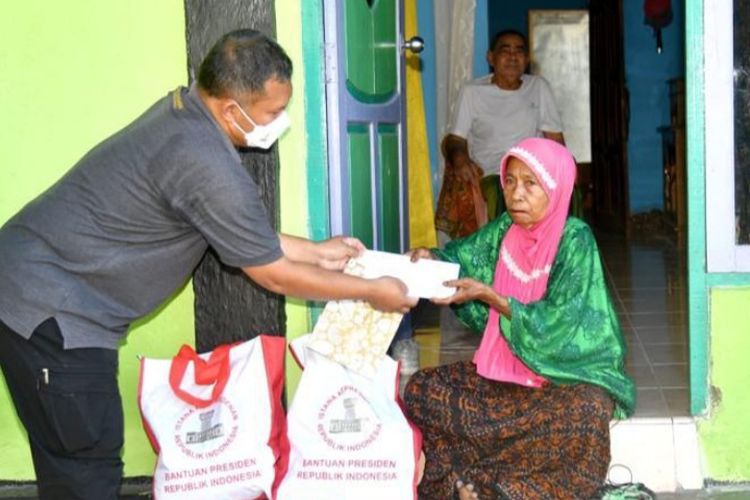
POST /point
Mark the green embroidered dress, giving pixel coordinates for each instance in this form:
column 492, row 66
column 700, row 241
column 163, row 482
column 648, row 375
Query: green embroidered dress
column 570, row 336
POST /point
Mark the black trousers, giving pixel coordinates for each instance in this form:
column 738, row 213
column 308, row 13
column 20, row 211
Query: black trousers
column 70, row 405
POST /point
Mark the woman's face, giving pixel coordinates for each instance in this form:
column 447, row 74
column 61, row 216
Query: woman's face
column 525, row 199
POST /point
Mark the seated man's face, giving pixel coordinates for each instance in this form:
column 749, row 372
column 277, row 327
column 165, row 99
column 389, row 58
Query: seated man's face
column 509, row 58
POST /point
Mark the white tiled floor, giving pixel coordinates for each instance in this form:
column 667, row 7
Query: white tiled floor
column 647, row 281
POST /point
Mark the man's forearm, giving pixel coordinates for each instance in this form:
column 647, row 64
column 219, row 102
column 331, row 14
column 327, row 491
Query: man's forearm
column 554, row 136
column 307, row 281
column 299, row 249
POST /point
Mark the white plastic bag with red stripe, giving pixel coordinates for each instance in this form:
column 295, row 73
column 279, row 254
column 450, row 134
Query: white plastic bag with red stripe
column 349, row 436
column 216, row 420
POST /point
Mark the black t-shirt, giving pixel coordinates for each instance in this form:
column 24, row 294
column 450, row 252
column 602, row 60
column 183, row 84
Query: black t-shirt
column 125, row 228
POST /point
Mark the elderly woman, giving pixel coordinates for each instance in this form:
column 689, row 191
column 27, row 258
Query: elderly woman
column 529, row 417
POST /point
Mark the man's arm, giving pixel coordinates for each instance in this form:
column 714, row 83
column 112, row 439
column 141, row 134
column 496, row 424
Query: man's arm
column 549, row 113
column 456, row 153
column 299, row 249
column 307, row 281
column 329, row 254
column 555, row 136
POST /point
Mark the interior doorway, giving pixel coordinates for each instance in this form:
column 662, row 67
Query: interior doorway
column 609, row 118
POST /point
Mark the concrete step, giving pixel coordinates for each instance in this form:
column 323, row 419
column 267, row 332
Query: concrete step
column 662, row 453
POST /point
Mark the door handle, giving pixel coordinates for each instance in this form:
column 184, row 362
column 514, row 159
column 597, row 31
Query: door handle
column 415, row 44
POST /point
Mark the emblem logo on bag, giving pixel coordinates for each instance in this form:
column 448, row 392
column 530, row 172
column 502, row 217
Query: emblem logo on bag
column 350, row 422
column 207, row 432
column 341, row 427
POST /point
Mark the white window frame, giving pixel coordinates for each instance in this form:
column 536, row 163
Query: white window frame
column 724, row 254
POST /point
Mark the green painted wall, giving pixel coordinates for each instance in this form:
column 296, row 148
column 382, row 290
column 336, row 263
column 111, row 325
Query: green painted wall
column 725, row 436
column 293, row 158
column 71, row 74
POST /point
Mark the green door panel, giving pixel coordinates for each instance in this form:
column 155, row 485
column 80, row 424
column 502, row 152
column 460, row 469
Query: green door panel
column 388, row 142
column 360, row 183
column 371, row 49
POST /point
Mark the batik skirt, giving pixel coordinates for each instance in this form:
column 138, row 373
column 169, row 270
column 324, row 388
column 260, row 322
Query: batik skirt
column 509, row 441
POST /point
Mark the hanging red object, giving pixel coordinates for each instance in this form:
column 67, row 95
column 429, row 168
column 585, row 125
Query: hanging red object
column 658, row 15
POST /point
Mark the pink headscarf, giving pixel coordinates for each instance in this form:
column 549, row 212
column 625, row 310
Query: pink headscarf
column 526, row 255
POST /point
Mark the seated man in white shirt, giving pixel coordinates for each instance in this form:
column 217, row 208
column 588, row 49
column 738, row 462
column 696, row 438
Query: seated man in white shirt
column 493, row 113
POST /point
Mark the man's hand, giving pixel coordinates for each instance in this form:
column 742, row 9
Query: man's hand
column 336, row 252
column 389, row 295
column 456, row 153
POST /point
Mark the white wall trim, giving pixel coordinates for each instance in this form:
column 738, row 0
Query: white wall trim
column 724, row 255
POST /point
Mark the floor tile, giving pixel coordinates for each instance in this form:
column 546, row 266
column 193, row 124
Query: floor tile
column 667, row 353
column 637, row 356
column 672, row 375
column 663, row 335
column 650, row 402
column 678, row 401
column 644, row 377
column 653, row 301
column 659, row 319
column 630, row 335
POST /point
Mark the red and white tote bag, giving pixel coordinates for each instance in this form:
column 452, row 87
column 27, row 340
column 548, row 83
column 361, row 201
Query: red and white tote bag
column 349, row 436
column 216, row 420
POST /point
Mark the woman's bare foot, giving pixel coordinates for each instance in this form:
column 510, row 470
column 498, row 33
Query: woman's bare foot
column 466, row 491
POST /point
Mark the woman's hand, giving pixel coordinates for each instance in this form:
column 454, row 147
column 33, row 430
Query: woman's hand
column 470, row 289
column 466, row 289
column 420, row 253
column 336, row 252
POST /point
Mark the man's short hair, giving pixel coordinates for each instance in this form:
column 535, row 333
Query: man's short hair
column 243, row 61
column 500, row 34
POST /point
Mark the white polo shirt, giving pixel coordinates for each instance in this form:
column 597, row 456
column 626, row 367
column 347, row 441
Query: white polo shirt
column 492, row 119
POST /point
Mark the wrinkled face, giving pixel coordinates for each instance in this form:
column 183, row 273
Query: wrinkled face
column 508, row 58
column 525, row 198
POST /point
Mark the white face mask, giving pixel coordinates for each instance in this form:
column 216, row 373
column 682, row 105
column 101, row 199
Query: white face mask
column 263, row 136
